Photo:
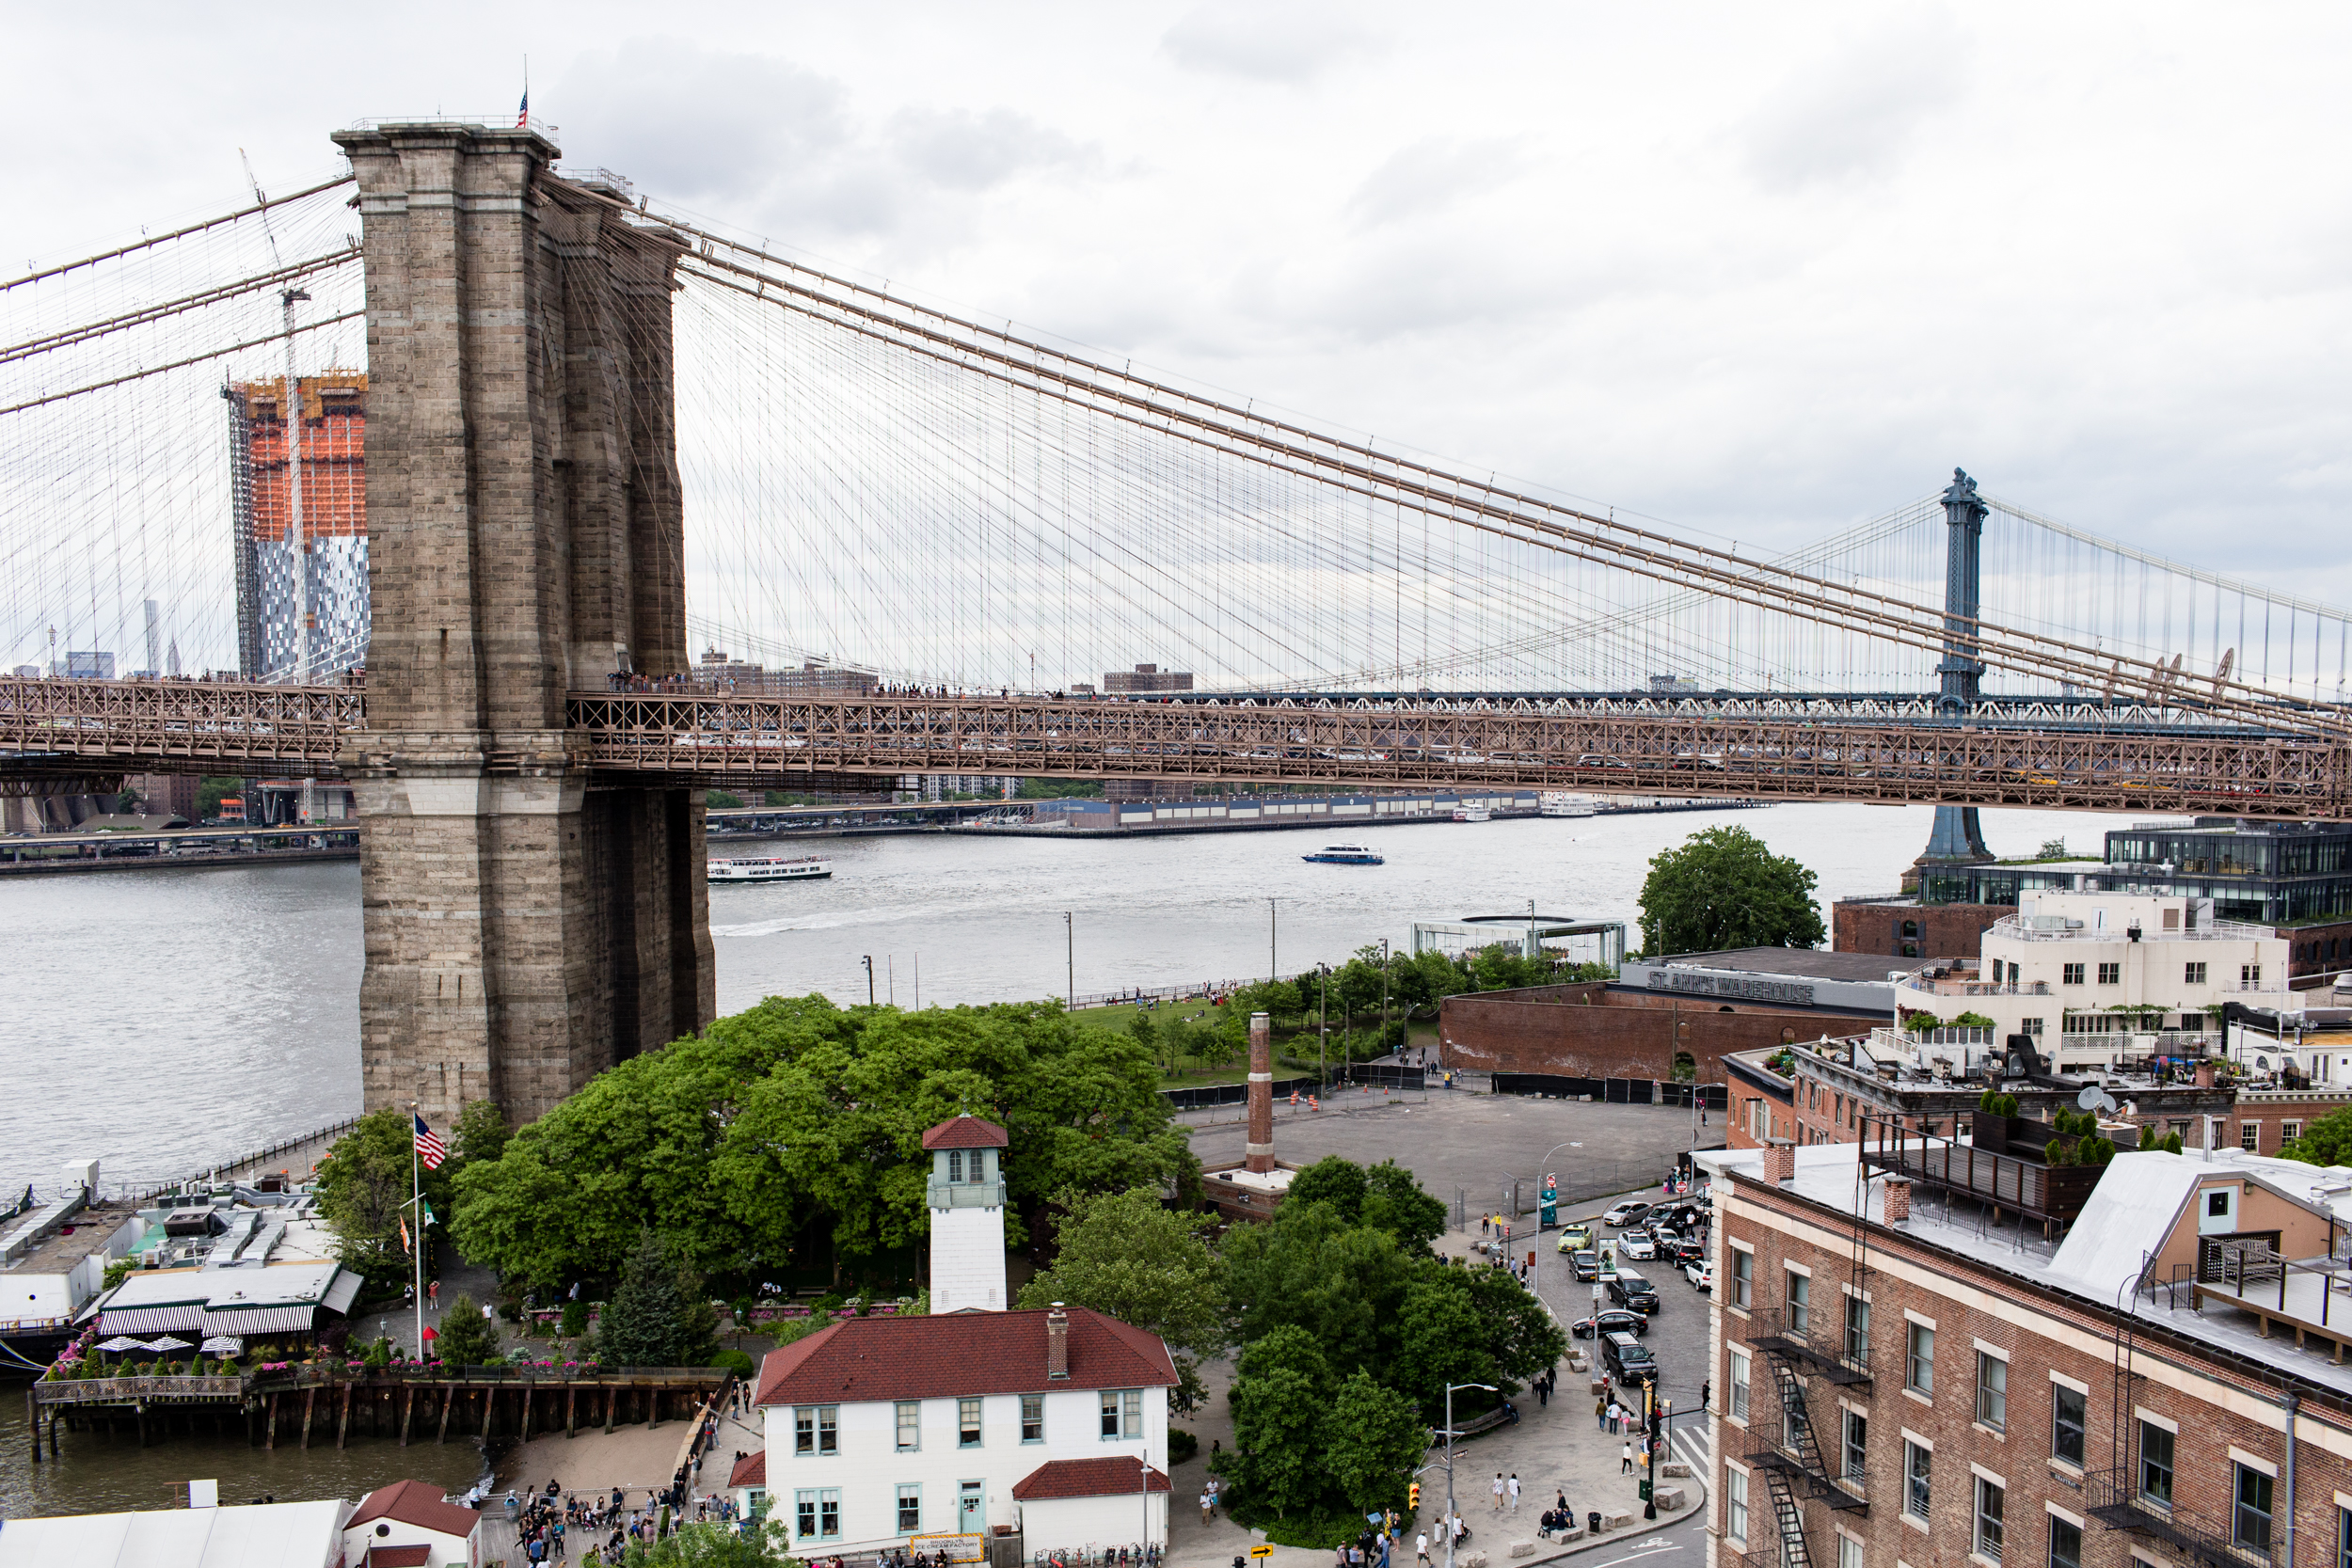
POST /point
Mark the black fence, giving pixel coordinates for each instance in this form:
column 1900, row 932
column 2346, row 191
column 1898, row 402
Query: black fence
column 1387, row 1075
column 1230, row 1094
column 1615, row 1091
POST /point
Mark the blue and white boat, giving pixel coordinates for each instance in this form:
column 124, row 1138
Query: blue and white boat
column 1346, row 854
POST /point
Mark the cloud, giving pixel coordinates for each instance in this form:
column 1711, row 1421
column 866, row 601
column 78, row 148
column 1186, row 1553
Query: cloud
column 958, row 149
column 1433, row 174
column 1260, row 42
column 1855, row 115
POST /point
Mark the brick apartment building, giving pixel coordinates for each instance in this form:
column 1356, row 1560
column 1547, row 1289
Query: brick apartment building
column 1904, row 1382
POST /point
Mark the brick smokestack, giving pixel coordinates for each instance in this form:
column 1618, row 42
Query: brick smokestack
column 1057, row 1343
column 1259, row 1153
column 1780, row 1162
column 1896, row 1202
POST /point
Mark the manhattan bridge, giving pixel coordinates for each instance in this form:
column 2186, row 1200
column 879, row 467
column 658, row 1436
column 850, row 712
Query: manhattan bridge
column 598, row 433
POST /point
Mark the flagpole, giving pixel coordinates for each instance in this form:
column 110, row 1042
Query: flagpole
column 416, row 1181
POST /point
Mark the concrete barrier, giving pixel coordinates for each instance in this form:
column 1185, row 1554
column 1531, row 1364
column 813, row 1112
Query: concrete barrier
column 1674, row 1467
column 1616, row 1521
column 1522, row 1548
column 1669, row 1498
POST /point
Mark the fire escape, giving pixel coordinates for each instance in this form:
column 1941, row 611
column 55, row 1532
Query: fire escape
column 1794, row 1470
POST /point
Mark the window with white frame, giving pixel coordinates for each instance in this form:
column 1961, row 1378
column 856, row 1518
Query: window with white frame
column 1919, row 1466
column 2155, row 1463
column 2193, row 975
column 1991, row 1500
column 1739, row 1389
column 1856, row 1444
column 2289, row 1130
column 2111, row 974
column 1849, row 1552
column 1122, row 1412
column 1800, row 1301
column 2032, row 1025
column 910, row 1425
column 1742, row 1279
column 1736, row 1508
column 955, row 1164
column 1033, row 1417
column 1857, row 1329
column 2249, row 1518
column 817, row 1428
column 910, row 1508
column 968, row 1423
column 2250, row 1136
column 1992, row 1391
column 1920, row 1361
column 2070, row 974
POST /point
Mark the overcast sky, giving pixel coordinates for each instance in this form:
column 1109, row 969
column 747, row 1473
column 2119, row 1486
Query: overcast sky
column 1758, row 269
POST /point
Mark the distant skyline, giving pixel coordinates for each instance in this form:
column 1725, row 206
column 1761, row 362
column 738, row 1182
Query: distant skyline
column 1756, row 271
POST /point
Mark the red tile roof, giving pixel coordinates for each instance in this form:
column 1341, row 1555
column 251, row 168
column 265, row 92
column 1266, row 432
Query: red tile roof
column 1083, row 1478
column 412, row 1502
column 966, row 1132
column 962, row 1354
column 750, row 1470
column 398, row 1557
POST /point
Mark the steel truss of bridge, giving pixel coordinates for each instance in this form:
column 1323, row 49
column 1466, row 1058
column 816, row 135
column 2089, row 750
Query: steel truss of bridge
column 2058, row 755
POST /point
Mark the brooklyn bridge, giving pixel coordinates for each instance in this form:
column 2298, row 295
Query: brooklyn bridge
column 598, row 433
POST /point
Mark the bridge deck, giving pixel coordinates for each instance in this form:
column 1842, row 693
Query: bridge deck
column 2032, row 756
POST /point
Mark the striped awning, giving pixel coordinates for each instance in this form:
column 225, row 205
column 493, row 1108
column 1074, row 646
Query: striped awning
column 261, row 1320
column 152, row 1320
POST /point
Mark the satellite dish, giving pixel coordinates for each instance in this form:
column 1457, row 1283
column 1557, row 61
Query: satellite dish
column 2094, row 1098
column 2263, row 1062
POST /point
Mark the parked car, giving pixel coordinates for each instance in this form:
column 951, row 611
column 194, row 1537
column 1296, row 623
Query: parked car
column 1625, row 1214
column 1630, row 1289
column 1636, row 1245
column 1586, row 1264
column 1701, row 1274
column 1628, row 1359
column 1614, row 1320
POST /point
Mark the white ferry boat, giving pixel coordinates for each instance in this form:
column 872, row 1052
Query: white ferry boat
column 771, row 868
column 1557, row 802
column 1473, row 814
column 1345, row 853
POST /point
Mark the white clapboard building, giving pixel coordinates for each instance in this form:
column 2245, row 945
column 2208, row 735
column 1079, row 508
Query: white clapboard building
column 970, row 1421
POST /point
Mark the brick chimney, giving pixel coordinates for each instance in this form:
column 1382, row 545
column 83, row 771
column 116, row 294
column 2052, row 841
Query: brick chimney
column 1258, row 1154
column 2204, row 1075
column 1057, row 1343
column 1780, row 1162
column 1895, row 1203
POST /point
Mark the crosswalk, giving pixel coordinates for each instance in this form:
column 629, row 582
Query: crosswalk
column 1688, row 1441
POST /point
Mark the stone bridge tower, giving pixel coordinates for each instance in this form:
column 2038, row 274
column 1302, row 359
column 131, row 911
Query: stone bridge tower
column 526, row 926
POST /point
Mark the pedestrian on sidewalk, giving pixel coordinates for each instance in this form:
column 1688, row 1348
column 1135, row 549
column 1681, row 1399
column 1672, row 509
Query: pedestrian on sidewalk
column 1625, row 1468
column 1498, row 1491
column 1705, row 1389
column 1207, row 1508
column 1600, row 1413
column 1420, row 1550
column 1515, row 1490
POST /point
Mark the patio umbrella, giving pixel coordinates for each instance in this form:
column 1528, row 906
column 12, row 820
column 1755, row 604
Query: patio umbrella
column 224, row 1344
column 122, row 1342
column 167, row 1343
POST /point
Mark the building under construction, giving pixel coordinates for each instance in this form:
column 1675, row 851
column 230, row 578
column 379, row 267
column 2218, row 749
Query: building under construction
column 333, row 444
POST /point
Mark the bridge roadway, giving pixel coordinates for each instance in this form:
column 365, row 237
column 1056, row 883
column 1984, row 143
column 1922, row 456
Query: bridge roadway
column 2065, row 757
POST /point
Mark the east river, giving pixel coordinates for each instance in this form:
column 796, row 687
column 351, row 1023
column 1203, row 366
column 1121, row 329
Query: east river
column 166, row 1021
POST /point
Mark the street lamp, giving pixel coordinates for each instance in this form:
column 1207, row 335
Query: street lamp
column 1070, row 937
column 1450, row 1513
column 1539, row 1221
column 1384, row 997
column 1323, row 1032
column 869, row 962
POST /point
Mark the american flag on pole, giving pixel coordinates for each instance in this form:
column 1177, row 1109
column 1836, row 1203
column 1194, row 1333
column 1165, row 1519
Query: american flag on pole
column 430, row 1148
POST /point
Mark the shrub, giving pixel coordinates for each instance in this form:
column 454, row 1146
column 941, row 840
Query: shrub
column 575, row 1323
column 736, row 1362
column 1182, row 1445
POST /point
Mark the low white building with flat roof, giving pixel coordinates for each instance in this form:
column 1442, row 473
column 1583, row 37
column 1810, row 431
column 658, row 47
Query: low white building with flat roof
column 2106, row 979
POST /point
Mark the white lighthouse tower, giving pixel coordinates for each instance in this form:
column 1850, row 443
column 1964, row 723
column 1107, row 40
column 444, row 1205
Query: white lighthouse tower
column 967, row 1203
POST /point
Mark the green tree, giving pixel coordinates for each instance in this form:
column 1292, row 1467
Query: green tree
column 466, row 1338
column 481, row 1134
column 1395, row 1202
column 2326, row 1141
column 647, row 1321
column 1130, row 1257
column 1371, row 1442
column 766, row 1545
column 1280, row 1390
column 1331, row 1180
column 1722, row 888
column 1310, row 1269
column 365, row 1193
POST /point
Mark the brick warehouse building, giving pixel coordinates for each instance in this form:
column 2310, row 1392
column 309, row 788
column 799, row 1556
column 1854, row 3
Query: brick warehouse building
column 1903, row 1384
column 1688, row 1011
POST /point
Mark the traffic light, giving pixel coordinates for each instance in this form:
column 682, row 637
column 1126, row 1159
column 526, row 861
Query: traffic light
column 1412, row 1497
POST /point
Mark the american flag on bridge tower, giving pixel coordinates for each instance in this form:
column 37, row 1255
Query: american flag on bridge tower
column 430, row 1148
